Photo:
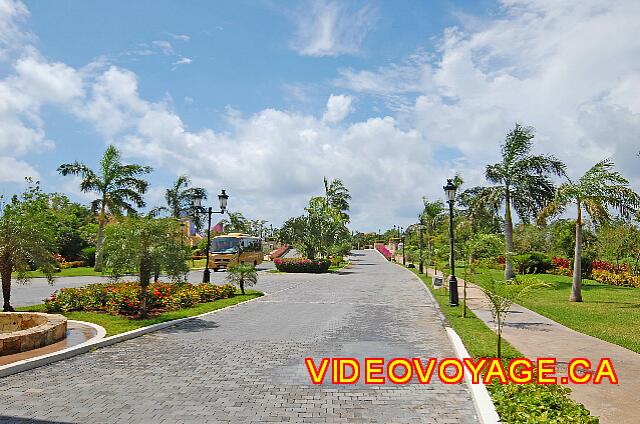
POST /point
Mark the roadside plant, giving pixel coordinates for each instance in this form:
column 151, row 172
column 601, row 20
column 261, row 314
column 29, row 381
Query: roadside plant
column 181, row 198
column 242, row 275
column 119, row 187
column 146, row 246
column 502, row 296
column 27, row 239
column 523, row 184
column 598, row 191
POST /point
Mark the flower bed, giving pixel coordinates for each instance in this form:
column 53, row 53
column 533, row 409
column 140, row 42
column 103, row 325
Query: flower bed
column 315, row 266
column 385, row 252
column 126, row 298
column 624, row 278
column 279, row 252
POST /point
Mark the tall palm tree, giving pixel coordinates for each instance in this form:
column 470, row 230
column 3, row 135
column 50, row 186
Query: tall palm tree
column 118, row 185
column 596, row 192
column 337, row 196
column 432, row 216
column 522, row 182
column 181, row 198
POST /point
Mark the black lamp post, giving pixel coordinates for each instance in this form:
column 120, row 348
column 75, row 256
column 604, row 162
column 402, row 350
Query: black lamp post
column 222, row 198
column 420, row 242
column 450, row 189
column 401, row 234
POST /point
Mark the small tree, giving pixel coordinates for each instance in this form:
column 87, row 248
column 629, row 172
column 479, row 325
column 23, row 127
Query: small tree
column 241, row 275
column 501, row 298
column 145, row 245
column 27, row 239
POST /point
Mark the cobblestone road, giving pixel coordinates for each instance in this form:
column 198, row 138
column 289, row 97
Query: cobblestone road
column 245, row 364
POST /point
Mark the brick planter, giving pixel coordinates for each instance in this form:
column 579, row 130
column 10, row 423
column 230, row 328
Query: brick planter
column 22, row 331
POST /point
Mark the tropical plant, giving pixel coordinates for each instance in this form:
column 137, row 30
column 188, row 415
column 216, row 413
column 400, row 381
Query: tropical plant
column 27, row 239
column 119, row 186
column 432, row 216
column 522, row 183
column 242, row 274
column 598, row 191
column 146, row 246
column 181, row 199
column 337, row 197
column 501, row 298
column 236, row 223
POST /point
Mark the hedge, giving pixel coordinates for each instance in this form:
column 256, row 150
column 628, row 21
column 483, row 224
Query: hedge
column 310, row 266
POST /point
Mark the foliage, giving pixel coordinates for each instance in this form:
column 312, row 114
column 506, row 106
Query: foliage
column 241, row 275
column 125, row 298
column 385, row 252
column 522, row 182
column 502, row 295
column 88, row 254
column 621, row 278
column 486, row 246
column 27, row 239
column 598, row 191
column 119, row 187
column 69, row 219
column 529, row 403
column 148, row 246
column 236, row 223
column 310, row 266
column 337, row 197
column 181, row 199
column 532, row 263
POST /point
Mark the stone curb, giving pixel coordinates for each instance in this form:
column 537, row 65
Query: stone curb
column 98, row 342
column 485, row 408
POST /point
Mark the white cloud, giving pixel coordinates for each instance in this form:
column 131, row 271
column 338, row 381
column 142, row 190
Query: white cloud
column 338, row 107
column 331, row 28
column 15, row 171
column 179, row 37
column 164, row 46
column 183, row 61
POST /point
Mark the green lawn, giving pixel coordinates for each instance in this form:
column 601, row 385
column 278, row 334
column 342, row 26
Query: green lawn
column 84, row 271
column 514, row 402
column 607, row 312
column 118, row 324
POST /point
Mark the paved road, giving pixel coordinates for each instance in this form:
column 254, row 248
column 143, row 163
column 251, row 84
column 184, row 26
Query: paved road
column 38, row 289
column 245, row 364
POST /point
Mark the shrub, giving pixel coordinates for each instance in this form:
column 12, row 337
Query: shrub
column 312, row 266
column 72, row 264
column 624, row 279
column 88, row 254
column 126, row 298
column 532, row 263
column 385, row 252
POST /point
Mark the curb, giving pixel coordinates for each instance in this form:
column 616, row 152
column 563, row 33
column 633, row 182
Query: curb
column 482, row 402
column 99, row 341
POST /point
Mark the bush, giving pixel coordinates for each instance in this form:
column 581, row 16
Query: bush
column 624, row 279
column 126, row 298
column 531, row 263
column 315, row 266
column 73, row 264
column 88, row 254
column 534, row 403
column 385, row 252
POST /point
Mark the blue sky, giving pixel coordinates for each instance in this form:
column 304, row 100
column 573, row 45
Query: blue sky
column 264, row 98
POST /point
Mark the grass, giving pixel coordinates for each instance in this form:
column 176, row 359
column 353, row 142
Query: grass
column 84, row 271
column 607, row 312
column 115, row 324
column 513, row 402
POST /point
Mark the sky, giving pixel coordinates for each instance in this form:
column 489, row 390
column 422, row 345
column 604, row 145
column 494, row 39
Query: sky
column 263, row 98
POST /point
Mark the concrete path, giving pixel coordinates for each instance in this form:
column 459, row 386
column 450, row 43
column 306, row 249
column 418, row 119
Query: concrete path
column 38, row 289
column 537, row 336
column 246, row 364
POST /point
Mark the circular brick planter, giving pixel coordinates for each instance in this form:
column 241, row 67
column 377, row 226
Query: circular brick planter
column 22, row 331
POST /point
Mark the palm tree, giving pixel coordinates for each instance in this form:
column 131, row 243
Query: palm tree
column 236, row 223
column 337, row 196
column 596, row 192
column 522, row 183
column 241, row 274
column 432, row 216
column 181, row 198
column 118, row 185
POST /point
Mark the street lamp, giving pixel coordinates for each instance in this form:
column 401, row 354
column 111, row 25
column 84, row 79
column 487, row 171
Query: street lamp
column 450, row 190
column 420, row 242
column 401, row 235
column 198, row 208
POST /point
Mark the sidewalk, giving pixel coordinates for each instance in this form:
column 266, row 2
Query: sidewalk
column 537, row 336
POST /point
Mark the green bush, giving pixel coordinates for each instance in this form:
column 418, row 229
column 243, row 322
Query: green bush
column 532, row 263
column 88, row 254
column 534, row 403
column 311, row 266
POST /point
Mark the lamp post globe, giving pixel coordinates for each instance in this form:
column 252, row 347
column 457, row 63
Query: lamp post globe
column 450, row 190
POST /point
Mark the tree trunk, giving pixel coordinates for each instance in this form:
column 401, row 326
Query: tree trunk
column 576, row 289
column 508, row 238
column 242, row 286
column 5, row 273
column 145, row 277
column 102, row 222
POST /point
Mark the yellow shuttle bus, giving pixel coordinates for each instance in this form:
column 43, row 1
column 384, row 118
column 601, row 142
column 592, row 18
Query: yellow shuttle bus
column 235, row 247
